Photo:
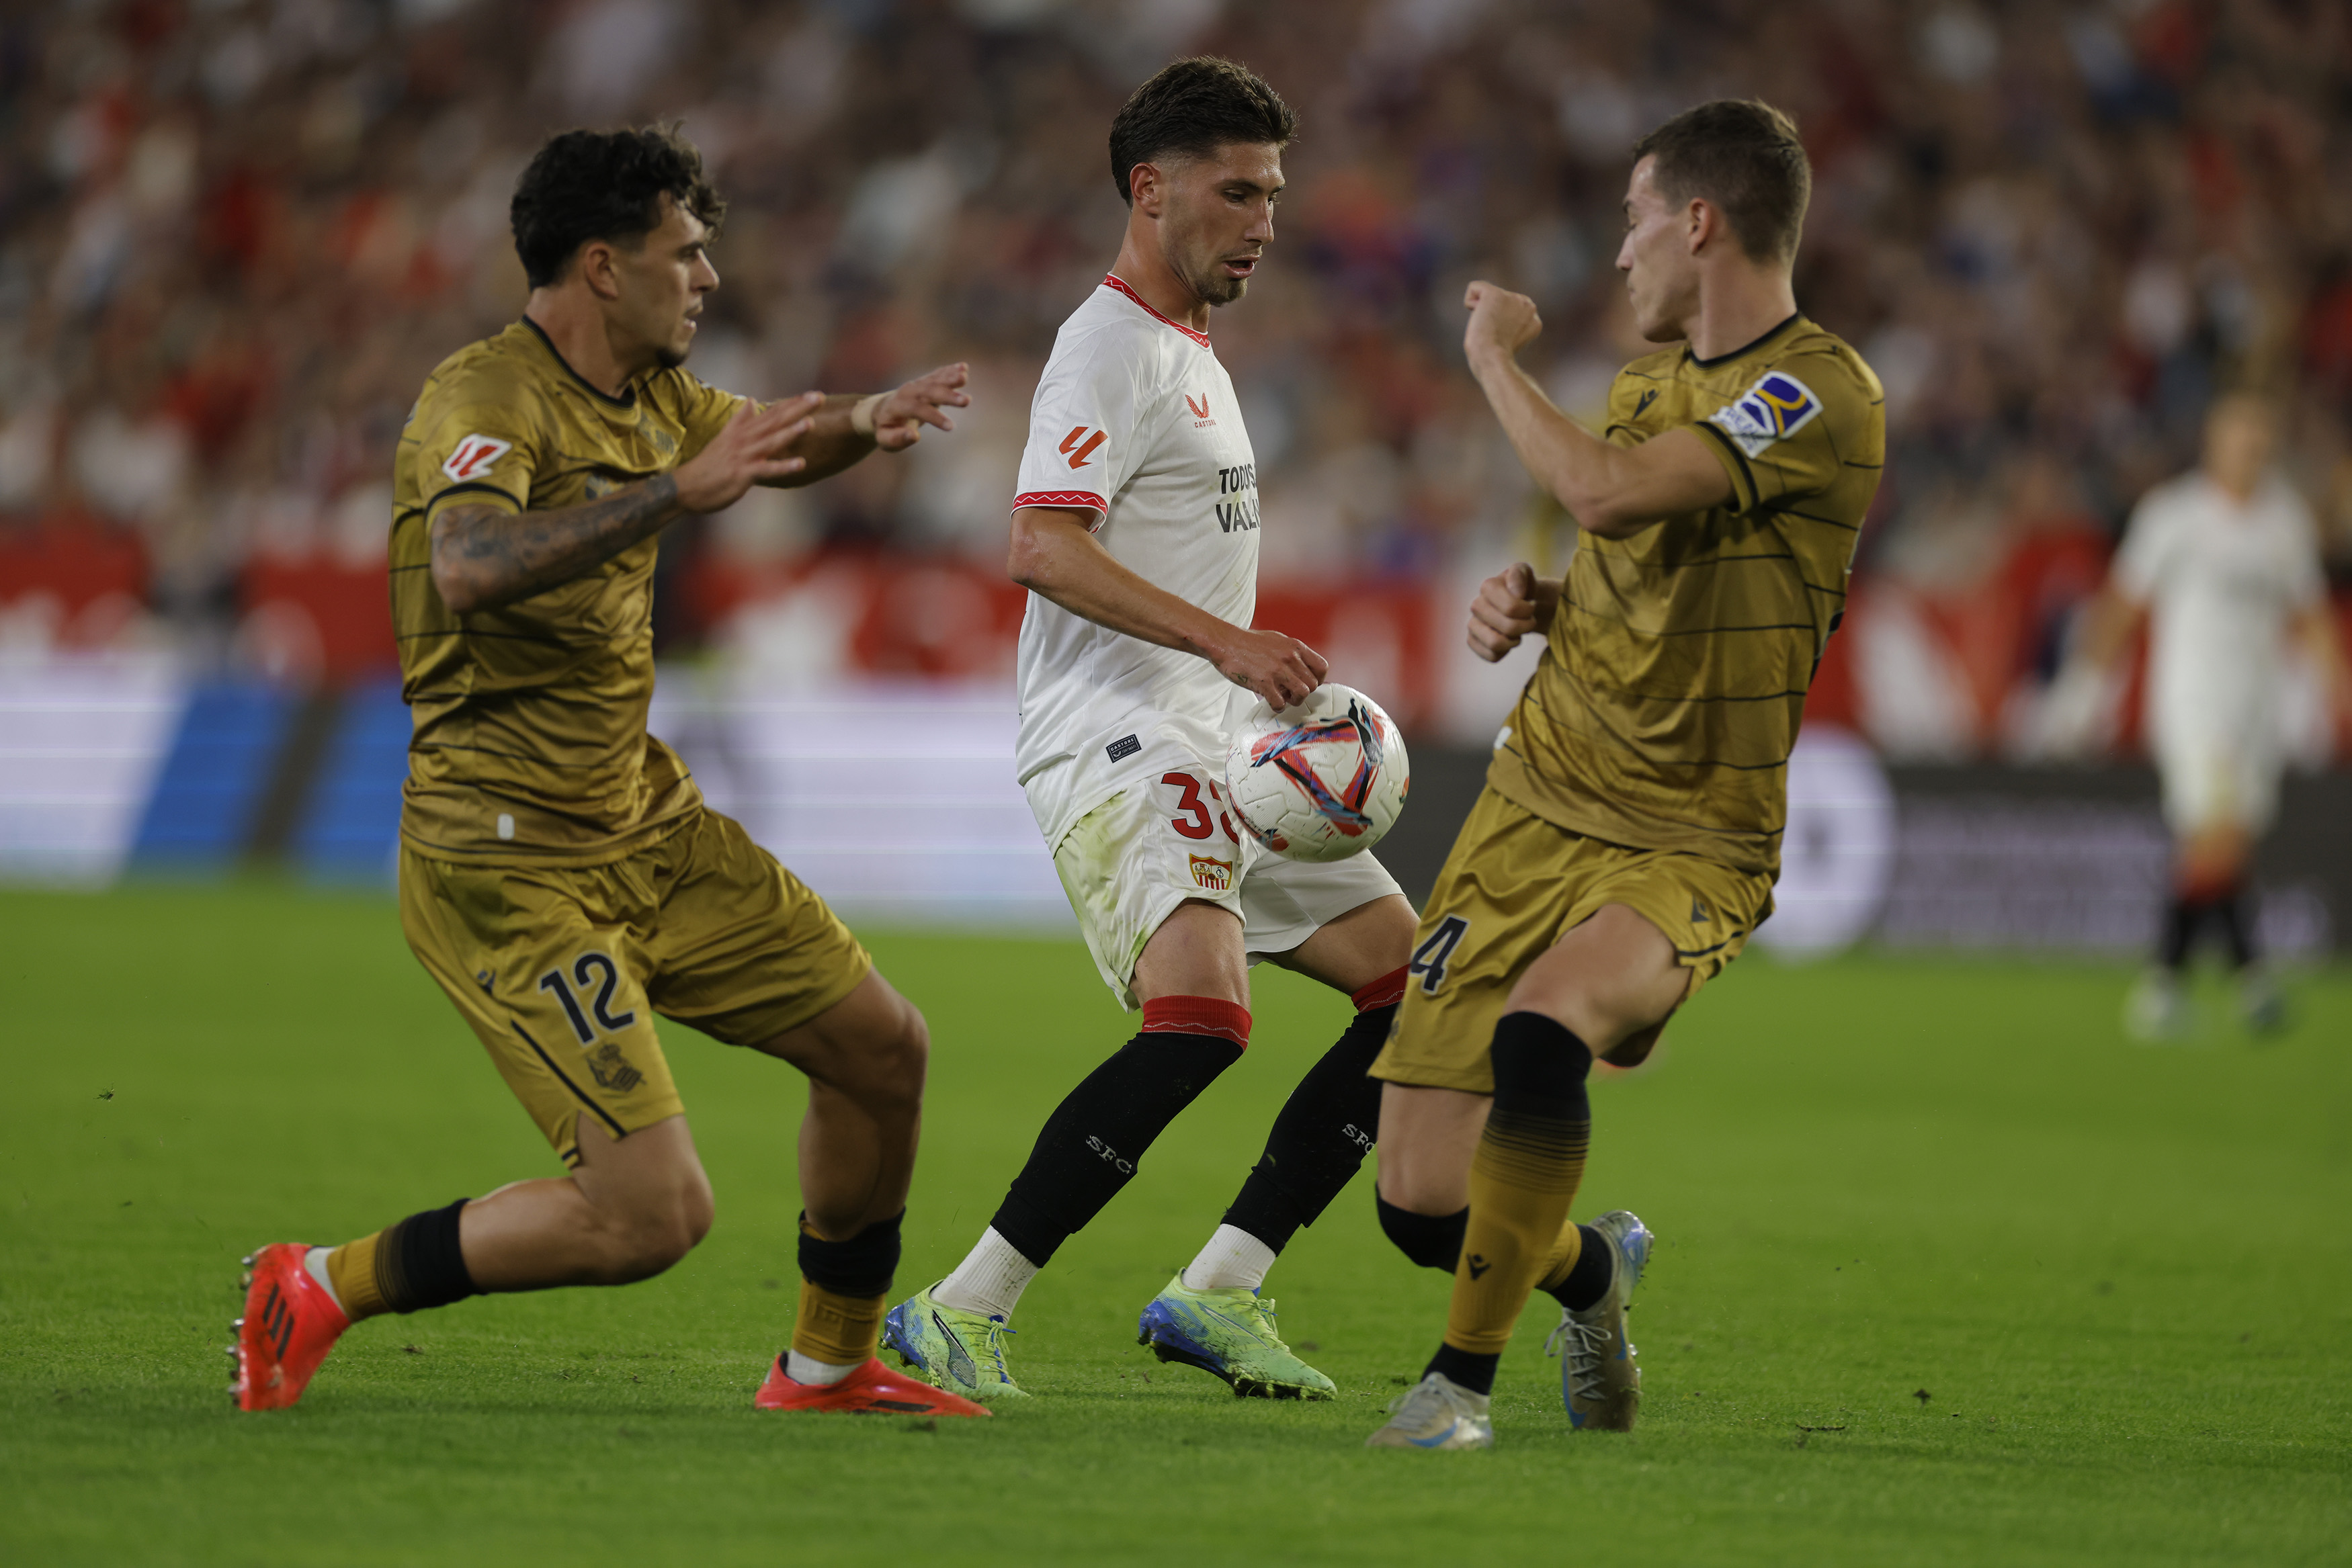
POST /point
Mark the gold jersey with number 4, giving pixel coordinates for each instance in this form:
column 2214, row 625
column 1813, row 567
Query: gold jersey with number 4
column 1645, row 765
column 530, row 745
column 1668, row 695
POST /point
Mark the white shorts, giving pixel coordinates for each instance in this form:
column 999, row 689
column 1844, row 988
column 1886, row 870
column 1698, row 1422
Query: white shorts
column 1128, row 862
column 2211, row 781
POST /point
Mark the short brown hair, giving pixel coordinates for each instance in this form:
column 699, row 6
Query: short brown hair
column 1743, row 155
column 1194, row 107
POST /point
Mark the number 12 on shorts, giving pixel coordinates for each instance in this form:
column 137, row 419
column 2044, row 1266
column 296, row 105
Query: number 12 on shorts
column 584, row 972
column 1429, row 959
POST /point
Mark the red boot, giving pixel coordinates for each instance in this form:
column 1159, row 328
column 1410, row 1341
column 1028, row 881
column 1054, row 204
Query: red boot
column 871, row 1390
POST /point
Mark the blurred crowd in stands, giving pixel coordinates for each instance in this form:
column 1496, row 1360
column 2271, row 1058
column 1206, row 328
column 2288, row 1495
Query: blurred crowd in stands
column 234, row 235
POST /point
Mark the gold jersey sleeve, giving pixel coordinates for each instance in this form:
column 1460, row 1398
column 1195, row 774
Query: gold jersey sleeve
column 530, row 744
column 1672, row 684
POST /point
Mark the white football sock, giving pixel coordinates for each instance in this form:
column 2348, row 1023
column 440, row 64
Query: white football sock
column 1232, row 1259
column 808, row 1369
column 989, row 1282
column 314, row 1263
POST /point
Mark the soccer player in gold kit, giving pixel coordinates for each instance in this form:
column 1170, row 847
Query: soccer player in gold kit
column 560, row 876
column 1628, row 838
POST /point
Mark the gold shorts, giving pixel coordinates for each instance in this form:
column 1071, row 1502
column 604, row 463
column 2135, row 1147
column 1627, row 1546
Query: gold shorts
column 560, row 970
column 1512, row 886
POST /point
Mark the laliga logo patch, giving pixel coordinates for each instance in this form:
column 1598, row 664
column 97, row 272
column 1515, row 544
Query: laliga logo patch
column 1775, row 408
column 474, row 456
column 1084, row 444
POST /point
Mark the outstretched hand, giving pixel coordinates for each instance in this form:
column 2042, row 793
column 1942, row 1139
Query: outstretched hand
column 1510, row 605
column 899, row 417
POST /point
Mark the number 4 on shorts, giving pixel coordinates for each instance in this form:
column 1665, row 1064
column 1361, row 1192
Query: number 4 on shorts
column 1429, row 959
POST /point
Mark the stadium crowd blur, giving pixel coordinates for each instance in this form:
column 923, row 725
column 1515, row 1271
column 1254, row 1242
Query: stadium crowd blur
column 234, row 235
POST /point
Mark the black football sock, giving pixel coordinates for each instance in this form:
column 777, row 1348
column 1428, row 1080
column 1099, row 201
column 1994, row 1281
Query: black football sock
column 845, row 1287
column 1318, row 1142
column 1465, row 1368
column 403, row 1268
column 2182, row 917
column 1589, row 1277
column 1432, row 1241
column 1091, row 1145
column 2237, row 931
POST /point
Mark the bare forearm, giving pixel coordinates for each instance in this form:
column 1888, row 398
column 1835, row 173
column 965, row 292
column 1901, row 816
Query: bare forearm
column 831, row 444
column 1571, row 462
column 1072, row 570
column 483, row 558
column 2107, row 628
column 2315, row 629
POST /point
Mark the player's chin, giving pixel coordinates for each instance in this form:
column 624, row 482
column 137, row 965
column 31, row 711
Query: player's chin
column 1224, row 285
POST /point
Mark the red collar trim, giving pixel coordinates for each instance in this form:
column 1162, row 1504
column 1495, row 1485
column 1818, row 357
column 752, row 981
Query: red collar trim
column 1113, row 280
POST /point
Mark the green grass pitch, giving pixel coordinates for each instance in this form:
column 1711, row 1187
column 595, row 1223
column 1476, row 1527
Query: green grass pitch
column 1950, row 1274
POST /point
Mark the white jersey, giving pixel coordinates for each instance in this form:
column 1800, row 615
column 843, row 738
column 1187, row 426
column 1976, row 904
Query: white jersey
column 1135, row 422
column 2221, row 580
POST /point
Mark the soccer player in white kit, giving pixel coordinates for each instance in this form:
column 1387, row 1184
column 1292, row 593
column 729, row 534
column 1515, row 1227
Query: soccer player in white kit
column 2225, row 558
column 1136, row 530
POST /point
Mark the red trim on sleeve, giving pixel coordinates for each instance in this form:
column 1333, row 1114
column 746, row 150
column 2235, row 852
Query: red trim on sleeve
column 1385, row 992
column 1076, row 500
column 1113, row 280
column 1197, row 1015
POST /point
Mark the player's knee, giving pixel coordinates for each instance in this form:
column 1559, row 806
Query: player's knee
column 901, row 1058
column 697, row 1211
column 1602, row 1014
column 654, row 1235
column 1432, row 1241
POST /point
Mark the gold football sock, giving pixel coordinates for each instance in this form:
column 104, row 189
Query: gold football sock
column 404, row 1268
column 840, row 1330
column 1560, row 1261
column 350, row 1269
column 1522, row 1178
column 1521, row 1181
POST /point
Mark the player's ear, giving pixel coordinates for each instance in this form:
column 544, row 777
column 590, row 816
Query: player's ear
column 1702, row 222
column 1143, row 188
column 597, row 266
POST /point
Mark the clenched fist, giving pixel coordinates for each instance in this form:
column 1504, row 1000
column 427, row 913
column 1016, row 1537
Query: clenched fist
column 1501, row 322
column 1510, row 605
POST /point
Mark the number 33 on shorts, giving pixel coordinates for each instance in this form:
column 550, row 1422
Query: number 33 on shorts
column 1197, row 812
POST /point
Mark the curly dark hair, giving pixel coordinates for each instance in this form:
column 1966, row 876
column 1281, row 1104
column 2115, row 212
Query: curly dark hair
column 1194, row 107
column 583, row 186
column 1744, row 155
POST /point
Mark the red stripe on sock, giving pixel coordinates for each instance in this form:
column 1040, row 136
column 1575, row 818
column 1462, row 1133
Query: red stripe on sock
column 1385, row 992
column 1197, row 1015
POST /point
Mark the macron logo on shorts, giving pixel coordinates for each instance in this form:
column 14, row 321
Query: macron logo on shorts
column 474, row 456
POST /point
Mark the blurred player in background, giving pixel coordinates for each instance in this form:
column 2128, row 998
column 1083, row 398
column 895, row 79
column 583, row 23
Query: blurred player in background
column 2225, row 560
column 1136, row 533
column 560, row 876
column 1627, row 841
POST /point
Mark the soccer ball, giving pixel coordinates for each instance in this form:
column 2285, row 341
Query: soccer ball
column 1319, row 781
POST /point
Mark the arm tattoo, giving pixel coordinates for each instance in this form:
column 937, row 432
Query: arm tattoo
column 483, row 558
